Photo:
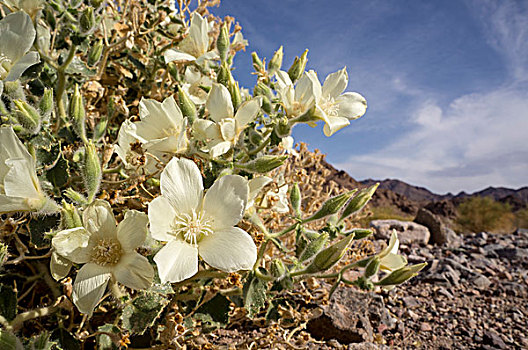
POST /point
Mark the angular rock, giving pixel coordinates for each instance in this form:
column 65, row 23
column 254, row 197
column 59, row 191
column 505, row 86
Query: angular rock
column 408, row 232
column 351, row 317
column 440, row 233
column 482, row 282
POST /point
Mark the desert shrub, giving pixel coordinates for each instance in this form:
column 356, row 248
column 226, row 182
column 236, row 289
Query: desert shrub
column 478, row 214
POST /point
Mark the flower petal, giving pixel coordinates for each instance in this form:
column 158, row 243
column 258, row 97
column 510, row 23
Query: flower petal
column 247, row 112
column 12, row 148
column 351, row 105
column 158, row 118
column 13, row 204
column 181, row 183
column 17, row 34
column 161, row 216
column 206, row 129
column 230, row 250
column 335, row 83
column 59, row 267
column 89, row 287
column 308, row 90
column 392, row 262
column 225, row 201
column 132, row 231
column 134, row 271
column 176, row 261
column 255, row 185
column 219, row 103
column 21, row 180
column 99, row 219
column 22, row 64
column 73, row 244
column 334, row 124
column 178, row 56
column 219, row 148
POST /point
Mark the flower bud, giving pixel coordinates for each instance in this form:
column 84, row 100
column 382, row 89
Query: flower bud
column 263, row 164
column 95, row 53
column 314, row 247
column 372, row 267
column 96, row 3
column 359, row 233
column 296, row 199
column 78, row 114
column 100, row 129
column 297, row 68
column 91, row 171
column 358, row 202
column 87, row 20
column 331, row 206
column 14, row 90
column 330, row 256
column 222, row 43
column 277, row 268
column 401, row 275
column 187, row 106
column 28, row 116
column 46, row 103
column 75, row 196
column 223, row 76
column 234, row 90
column 173, row 71
column 262, row 89
column 275, row 63
column 283, row 128
column 70, row 217
column 255, row 137
column 257, row 63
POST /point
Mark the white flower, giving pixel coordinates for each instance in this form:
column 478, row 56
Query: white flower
column 195, row 46
column 193, row 80
column 256, row 184
column 162, row 132
column 223, row 131
column 194, row 224
column 335, row 108
column 390, row 259
column 107, row 252
column 17, row 34
column 19, row 186
column 278, row 199
column 288, row 143
column 300, row 99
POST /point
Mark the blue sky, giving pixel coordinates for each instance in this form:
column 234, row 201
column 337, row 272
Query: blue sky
column 446, row 83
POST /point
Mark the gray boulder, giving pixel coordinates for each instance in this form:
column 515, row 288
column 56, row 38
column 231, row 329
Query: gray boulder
column 408, row 232
column 440, row 233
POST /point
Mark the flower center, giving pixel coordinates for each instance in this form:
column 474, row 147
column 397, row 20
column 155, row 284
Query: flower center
column 193, row 227
column 5, row 66
column 297, row 108
column 330, row 106
column 107, row 251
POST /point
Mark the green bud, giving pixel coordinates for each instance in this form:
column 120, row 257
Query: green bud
column 223, row 76
column 14, row 90
column 263, row 164
column 314, row 247
column 372, row 267
column 78, row 114
column 277, row 268
column 358, row 202
column 255, row 137
column 275, row 63
column 96, row 3
column 100, row 129
column 187, row 106
column 70, row 217
column 297, row 68
column 234, row 90
column 401, row 275
column 46, row 103
column 359, row 233
column 266, row 105
column 75, row 3
column 330, row 256
column 173, row 71
column 92, row 173
column 331, row 206
column 95, row 53
column 75, row 196
column 87, row 20
column 257, row 63
column 296, row 199
column 56, row 5
column 262, row 89
column 222, row 43
column 310, row 234
column 28, row 116
column 283, row 128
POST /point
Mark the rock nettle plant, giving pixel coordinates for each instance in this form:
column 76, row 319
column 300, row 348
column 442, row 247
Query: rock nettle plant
column 144, row 192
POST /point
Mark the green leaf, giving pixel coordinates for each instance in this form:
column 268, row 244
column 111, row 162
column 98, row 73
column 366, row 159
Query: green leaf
column 142, row 312
column 218, row 308
column 39, row 226
column 59, row 174
column 105, row 341
column 254, row 295
column 9, row 341
column 8, row 302
column 77, row 66
column 41, row 342
column 65, row 339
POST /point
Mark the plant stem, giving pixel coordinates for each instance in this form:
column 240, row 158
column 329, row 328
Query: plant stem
column 61, row 86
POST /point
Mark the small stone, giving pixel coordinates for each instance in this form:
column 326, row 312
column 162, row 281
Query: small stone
column 481, row 282
column 425, row 327
column 494, row 339
column 410, row 302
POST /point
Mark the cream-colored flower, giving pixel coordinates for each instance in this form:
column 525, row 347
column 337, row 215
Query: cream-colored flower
column 17, row 34
column 336, row 108
column 299, row 99
column 288, row 144
column 107, row 252
column 277, row 200
column 195, row 46
column 161, row 133
column 222, row 132
column 194, row 224
column 256, row 185
column 390, row 259
column 193, row 80
column 19, row 186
